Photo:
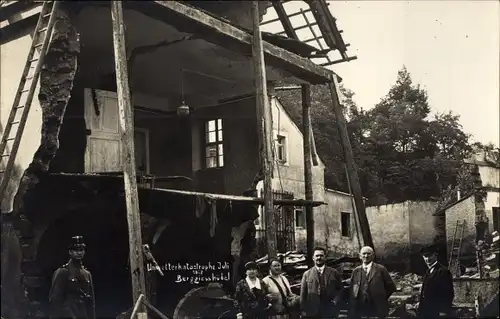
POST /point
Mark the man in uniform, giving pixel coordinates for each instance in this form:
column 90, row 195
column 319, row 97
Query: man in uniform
column 436, row 296
column 72, row 291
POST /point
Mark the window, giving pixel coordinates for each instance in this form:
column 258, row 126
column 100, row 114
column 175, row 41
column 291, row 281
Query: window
column 345, row 224
column 214, row 149
column 281, row 148
column 300, row 217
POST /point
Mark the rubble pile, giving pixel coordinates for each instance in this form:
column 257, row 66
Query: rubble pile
column 488, row 253
column 408, row 292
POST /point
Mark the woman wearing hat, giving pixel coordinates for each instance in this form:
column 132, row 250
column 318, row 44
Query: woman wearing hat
column 252, row 298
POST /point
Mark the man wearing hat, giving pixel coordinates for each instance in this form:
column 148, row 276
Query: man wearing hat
column 437, row 292
column 72, row 291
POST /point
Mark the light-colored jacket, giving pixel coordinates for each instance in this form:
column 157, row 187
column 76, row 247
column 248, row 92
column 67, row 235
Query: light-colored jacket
column 278, row 302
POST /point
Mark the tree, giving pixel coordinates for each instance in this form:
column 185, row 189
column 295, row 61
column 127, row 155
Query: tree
column 400, row 153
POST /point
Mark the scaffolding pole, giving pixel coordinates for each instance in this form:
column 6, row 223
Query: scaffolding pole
column 264, row 118
column 128, row 157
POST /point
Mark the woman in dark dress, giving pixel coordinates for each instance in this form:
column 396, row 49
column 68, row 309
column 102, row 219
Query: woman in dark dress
column 252, row 295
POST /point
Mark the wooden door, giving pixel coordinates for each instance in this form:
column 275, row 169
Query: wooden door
column 103, row 151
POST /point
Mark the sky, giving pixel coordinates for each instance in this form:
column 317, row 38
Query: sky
column 450, row 48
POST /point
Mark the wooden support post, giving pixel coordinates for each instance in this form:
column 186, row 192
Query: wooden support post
column 264, row 118
column 127, row 131
column 306, row 122
column 353, row 204
column 352, row 174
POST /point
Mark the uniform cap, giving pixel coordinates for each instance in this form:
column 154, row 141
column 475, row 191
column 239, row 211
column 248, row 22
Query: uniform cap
column 77, row 242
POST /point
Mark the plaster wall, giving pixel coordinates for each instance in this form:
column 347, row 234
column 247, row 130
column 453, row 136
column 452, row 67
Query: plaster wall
column 400, row 230
column 328, row 227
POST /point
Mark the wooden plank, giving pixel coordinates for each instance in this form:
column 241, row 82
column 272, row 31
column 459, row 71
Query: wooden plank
column 265, row 115
column 129, row 174
column 306, row 122
column 351, row 165
column 190, row 19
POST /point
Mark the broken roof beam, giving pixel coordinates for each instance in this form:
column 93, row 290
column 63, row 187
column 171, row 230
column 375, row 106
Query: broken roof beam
column 285, row 21
column 189, row 19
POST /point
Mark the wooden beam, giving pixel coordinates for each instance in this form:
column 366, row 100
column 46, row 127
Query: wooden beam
column 351, row 165
column 306, row 122
column 129, row 174
column 264, row 119
column 190, row 19
column 242, row 199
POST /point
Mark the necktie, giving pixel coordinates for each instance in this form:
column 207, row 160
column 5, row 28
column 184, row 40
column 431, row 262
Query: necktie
column 366, row 270
column 321, row 282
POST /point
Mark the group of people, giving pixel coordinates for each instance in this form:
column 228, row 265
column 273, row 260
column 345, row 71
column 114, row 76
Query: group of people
column 322, row 291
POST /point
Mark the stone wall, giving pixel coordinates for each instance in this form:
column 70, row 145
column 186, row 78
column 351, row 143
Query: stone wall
column 56, row 82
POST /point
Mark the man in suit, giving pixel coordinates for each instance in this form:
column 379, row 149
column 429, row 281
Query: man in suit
column 320, row 289
column 72, row 291
column 436, row 296
column 370, row 288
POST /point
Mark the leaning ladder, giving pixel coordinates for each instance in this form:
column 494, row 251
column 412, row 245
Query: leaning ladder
column 27, row 85
column 456, row 248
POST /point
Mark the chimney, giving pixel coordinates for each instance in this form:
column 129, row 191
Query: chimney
column 458, row 194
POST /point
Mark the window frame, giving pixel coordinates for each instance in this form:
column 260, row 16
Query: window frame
column 348, row 224
column 296, row 219
column 283, row 146
column 218, row 143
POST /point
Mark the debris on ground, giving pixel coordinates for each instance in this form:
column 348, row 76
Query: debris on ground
column 407, row 294
column 488, row 253
column 290, row 257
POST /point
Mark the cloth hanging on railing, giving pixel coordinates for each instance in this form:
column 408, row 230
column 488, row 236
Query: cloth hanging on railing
column 213, row 216
column 200, row 204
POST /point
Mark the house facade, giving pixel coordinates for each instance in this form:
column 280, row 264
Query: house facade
column 334, row 226
column 69, row 178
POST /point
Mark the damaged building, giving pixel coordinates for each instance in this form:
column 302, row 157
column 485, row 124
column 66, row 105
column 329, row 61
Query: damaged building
column 476, row 215
column 195, row 133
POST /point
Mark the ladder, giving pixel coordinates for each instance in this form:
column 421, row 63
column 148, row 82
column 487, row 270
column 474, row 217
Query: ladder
column 456, row 247
column 22, row 102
